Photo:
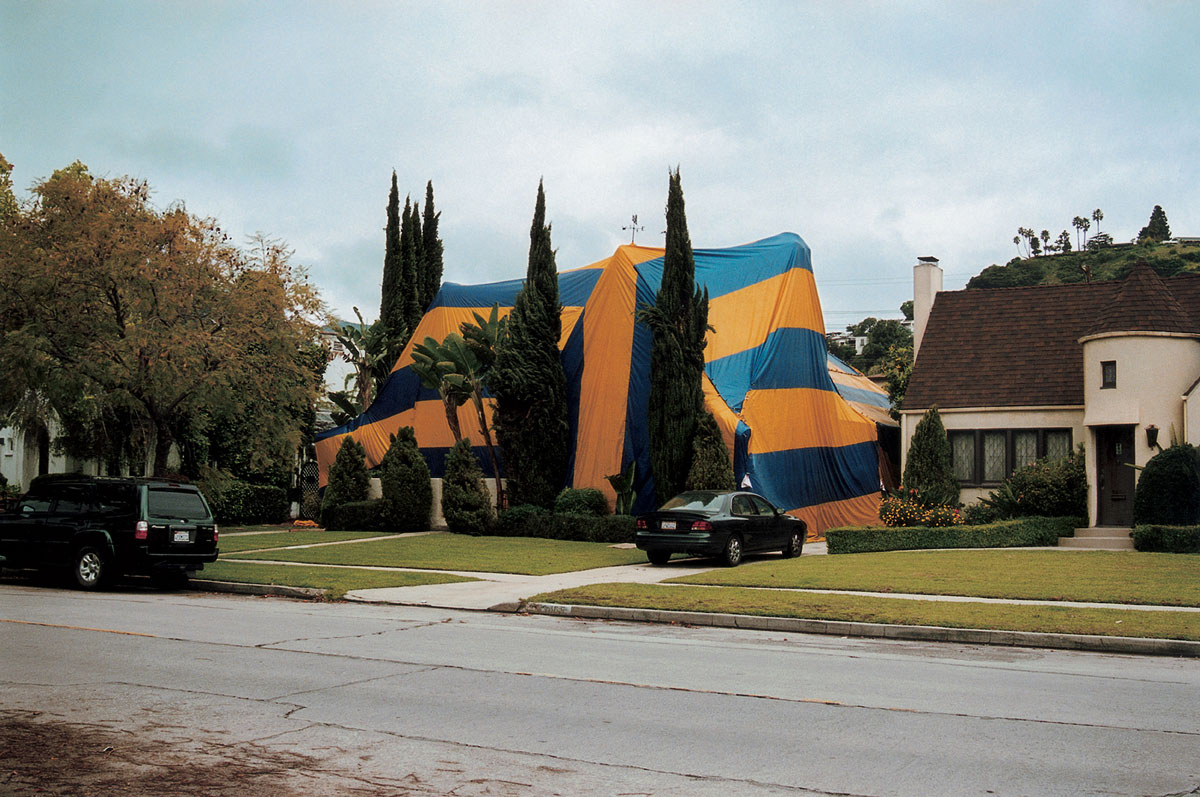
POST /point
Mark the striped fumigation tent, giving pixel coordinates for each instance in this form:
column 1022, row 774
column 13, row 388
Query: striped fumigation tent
column 794, row 438
column 864, row 395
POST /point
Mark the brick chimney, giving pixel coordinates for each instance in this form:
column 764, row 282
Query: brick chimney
column 927, row 283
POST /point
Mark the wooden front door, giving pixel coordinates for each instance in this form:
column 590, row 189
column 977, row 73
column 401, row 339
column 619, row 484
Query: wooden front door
column 1115, row 477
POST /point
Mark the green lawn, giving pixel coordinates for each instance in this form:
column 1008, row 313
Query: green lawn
column 897, row 611
column 1095, row 576
column 249, row 542
column 525, row 555
column 336, row 580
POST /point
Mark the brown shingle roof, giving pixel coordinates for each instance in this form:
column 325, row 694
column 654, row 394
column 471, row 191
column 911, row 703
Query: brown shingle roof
column 1015, row 347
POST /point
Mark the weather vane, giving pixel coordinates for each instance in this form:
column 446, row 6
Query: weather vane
column 633, row 228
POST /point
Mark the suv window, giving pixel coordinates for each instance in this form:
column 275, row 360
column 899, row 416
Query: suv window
column 182, row 504
column 117, row 498
column 72, row 499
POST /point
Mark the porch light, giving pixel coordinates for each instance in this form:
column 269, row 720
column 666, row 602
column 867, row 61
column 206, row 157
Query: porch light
column 1152, row 436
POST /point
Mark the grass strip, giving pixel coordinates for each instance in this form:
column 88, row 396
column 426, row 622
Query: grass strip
column 337, row 581
column 893, row 611
column 250, row 542
column 524, row 555
column 1092, row 576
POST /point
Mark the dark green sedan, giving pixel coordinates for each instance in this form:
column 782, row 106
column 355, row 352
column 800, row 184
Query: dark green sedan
column 722, row 524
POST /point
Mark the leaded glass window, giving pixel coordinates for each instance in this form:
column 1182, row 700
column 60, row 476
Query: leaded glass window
column 995, row 461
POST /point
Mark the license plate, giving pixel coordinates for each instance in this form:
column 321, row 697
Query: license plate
column 668, row 525
column 183, row 536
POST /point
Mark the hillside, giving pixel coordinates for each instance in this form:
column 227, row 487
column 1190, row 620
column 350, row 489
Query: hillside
column 1111, row 262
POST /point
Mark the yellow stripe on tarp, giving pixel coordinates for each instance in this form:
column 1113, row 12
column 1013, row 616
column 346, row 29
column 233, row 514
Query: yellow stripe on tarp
column 860, row 511
column 803, row 418
column 608, row 321
column 744, row 318
column 427, row 417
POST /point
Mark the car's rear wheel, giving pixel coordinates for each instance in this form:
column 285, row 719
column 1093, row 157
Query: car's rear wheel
column 658, row 558
column 91, row 568
column 732, row 555
column 794, row 546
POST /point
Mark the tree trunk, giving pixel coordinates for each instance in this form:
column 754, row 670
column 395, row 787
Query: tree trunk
column 477, row 399
column 162, row 446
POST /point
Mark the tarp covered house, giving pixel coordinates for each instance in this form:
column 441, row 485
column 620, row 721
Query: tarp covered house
column 767, row 381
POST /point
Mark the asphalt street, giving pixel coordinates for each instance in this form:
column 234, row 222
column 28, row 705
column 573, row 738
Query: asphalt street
column 350, row 698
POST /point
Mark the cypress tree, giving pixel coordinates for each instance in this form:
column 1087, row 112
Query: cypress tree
column 528, row 380
column 404, row 479
column 927, row 468
column 711, row 467
column 418, row 287
column 392, row 303
column 431, row 249
column 348, row 478
column 408, row 259
column 678, row 321
column 466, row 503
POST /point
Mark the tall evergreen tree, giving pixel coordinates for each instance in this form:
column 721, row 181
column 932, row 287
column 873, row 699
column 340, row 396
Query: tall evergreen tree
column 431, row 250
column 927, row 468
column 528, row 380
column 393, row 302
column 408, row 259
column 1157, row 230
column 418, row 287
column 679, row 321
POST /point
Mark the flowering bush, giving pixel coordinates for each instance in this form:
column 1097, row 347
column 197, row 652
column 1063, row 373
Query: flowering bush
column 903, row 508
column 1047, row 488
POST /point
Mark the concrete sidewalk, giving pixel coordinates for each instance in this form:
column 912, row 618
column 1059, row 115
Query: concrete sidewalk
column 505, row 591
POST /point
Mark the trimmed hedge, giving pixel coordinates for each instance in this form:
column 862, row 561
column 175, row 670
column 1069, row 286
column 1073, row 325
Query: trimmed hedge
column 236, row 503
column 1167, row 539
column 1022, row 532
column 354, row 516
column 533, row 521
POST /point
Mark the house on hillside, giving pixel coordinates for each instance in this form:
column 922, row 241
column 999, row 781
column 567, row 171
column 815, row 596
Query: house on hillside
column 1022, row 373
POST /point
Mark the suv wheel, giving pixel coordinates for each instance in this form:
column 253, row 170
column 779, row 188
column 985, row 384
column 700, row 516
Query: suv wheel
column 91, row 568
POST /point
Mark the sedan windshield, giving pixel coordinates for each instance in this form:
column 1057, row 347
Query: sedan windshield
column 697, row 501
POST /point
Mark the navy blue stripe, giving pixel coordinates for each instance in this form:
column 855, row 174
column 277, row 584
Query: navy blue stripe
column 805, row 477
column 574, row 288
column 863, row 396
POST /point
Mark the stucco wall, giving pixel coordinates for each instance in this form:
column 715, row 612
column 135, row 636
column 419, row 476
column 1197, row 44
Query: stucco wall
column 1006, row 418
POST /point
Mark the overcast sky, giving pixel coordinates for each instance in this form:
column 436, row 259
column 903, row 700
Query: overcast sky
column 878, row 132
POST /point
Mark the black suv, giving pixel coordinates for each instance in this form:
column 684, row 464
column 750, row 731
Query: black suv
column 102, row 527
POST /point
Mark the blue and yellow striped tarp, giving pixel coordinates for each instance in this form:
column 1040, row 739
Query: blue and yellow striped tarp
column 806, row 443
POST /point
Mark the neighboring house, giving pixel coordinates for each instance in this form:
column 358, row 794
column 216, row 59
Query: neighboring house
column 25, row 455
column 1023, row 373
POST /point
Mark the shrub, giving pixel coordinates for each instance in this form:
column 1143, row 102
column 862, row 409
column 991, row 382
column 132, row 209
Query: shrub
column 404, row 479
column 265, row 503
column 712, row 467
column 1168, row 492
column 354, row 516
column 235, row 502
column 466, row 503
column 530, row 521
column 927, row 468
column 1046, row 488
column 904, row 508
column 1022, row 532
column 581, row 501
column 1167, row 539
column 348, row 479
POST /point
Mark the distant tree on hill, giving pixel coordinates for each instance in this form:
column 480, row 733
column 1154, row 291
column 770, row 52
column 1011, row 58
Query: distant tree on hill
column 1157, row 230
column 1046, row 241
column 907, row 309
column 1063, row 242
column 1081, row 226
column 1097, row 215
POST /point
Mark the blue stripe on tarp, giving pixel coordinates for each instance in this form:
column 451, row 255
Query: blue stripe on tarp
column 788, row 358
column 435, row 458
column 863, row 396
column 574, row 288
column 573, row 364
column 724, row 271
column 803, row 477
column 637, row 404
column 838, row 362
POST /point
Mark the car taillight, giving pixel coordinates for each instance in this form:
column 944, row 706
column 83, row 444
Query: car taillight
column 641, row 524
column 216, row 532
column 701, row 525
column 141, row 531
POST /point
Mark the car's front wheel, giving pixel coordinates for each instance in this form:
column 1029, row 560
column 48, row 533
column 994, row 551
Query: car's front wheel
column 732, row 555
column 794, row 546
column 658, row 558
column 91, row 568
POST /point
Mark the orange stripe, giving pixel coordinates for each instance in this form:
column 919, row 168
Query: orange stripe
column 860, row 511
column 744, row 318
column 802, row 418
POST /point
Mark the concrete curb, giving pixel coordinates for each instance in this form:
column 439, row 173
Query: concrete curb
column 238, row 588
column 917, row 633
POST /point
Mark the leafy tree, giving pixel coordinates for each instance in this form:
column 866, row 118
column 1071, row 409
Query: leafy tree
column 431, row 250
column 678, row 321
column 465, row 500
column 1157, row 230
column 348, row 478
column 404, row 480
column 927, row 469
column 134, row 323
column 367, row 349
column 906, row 308
column 711, row 468
column 1064, row 242
column 394, row 301
column 528, row 380
column 896, row 366
column 8, row 200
